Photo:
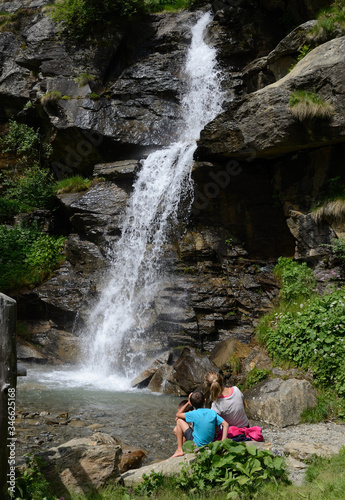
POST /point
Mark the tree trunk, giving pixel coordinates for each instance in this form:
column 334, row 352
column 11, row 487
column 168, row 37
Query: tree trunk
column 8, row 378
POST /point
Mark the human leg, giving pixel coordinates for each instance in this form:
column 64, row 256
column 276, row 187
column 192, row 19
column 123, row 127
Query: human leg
column 181, row 427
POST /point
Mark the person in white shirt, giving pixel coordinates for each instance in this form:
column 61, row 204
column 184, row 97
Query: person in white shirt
column 228, row 402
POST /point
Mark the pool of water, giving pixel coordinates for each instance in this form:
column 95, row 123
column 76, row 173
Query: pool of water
column 137, row 417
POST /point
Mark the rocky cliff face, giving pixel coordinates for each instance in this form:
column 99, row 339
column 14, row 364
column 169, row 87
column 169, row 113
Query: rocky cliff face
column 257, row 173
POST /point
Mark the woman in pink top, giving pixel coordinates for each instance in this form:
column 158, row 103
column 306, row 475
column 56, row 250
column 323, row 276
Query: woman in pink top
column 227, row 401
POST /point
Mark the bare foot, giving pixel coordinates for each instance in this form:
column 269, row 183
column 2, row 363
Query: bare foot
column 177, row 454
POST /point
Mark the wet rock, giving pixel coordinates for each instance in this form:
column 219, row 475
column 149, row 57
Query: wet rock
column 29, row 353
column 143, row 379
column 131, row 459
column 279, row 402
column 275, row 131
column 311, row 236
column 184, row 376
column 117, row 171
column 99, row 211
column 83, row 463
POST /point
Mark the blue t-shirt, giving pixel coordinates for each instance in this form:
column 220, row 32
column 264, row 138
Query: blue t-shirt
column 204, row 424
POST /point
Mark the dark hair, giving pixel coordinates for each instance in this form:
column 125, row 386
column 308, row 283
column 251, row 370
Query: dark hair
column 197, row 399
column 187, row 409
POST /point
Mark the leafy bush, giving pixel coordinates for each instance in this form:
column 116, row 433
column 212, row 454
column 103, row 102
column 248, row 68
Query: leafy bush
column 254, row 377
column 303, row 51
column 81, row 17
column 27, row 255
column 32, row 189
column 313, row 337
column 31, row 483
column 20, row 139
column 297, row 280
column 309, row 105
column 237, row 468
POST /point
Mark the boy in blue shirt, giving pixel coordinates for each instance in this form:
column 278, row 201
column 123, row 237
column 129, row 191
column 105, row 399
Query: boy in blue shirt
column 205, row 423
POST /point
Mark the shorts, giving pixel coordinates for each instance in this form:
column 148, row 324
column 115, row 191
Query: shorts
column 188, row 434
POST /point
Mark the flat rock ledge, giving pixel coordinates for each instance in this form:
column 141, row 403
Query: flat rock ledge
column 169, row 467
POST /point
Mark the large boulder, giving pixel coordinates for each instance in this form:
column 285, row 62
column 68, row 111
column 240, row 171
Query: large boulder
column 223, row 351
column 184, row 376
column 280, row 402
column 83, row 464
column 262, row 125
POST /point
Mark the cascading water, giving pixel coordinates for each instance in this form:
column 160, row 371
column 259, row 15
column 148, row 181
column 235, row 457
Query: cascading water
column 123, row 311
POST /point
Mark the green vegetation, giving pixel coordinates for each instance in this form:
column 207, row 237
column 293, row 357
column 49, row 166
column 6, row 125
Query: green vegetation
column 28, row 184
column 31, row 484
column 297, row 280
column 20, row 139
column 80, row 18
column 238, row 468
column 28, row 256
column 303, row 51
column 84, row 79
column 330, row 20
column 51, row 97
column 72, row 185
column 307, row 105
column 325, row 480
column 254, row 377
column 329, row 407
column 93, row 96
column 307, row 329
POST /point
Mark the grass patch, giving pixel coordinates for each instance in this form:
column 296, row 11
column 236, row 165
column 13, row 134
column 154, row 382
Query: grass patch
column 330, row 21
column 51, row 97
column 72, row 185
column 325, row 481
column 329, row 407
column 307, row 105
column 84, row 79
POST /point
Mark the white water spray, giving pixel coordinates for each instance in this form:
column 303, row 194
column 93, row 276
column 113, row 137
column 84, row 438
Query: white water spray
column 123, row 312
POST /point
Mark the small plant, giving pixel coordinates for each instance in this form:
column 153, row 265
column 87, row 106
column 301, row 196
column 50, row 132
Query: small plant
column 234, row 364
column 229, row 242
column 307, row 105
column 254, row 377
column 93, row 96
column 84, row 79
column 150, row 484
column 31, row 483
column 51, row 97
column 329, row 21
column 303, row 51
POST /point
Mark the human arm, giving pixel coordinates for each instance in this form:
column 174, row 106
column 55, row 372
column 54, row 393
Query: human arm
column 225, row 430
column 181, row 412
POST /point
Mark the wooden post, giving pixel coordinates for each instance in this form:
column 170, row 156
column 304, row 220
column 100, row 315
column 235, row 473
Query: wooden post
column 8, row 379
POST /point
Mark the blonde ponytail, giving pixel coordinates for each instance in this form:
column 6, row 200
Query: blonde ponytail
column 214, row 384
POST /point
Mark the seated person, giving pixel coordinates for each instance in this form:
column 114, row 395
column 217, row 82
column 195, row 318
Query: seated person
column 204, row 420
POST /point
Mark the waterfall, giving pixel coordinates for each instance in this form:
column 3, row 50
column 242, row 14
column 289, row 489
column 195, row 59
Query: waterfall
column 118, row 323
